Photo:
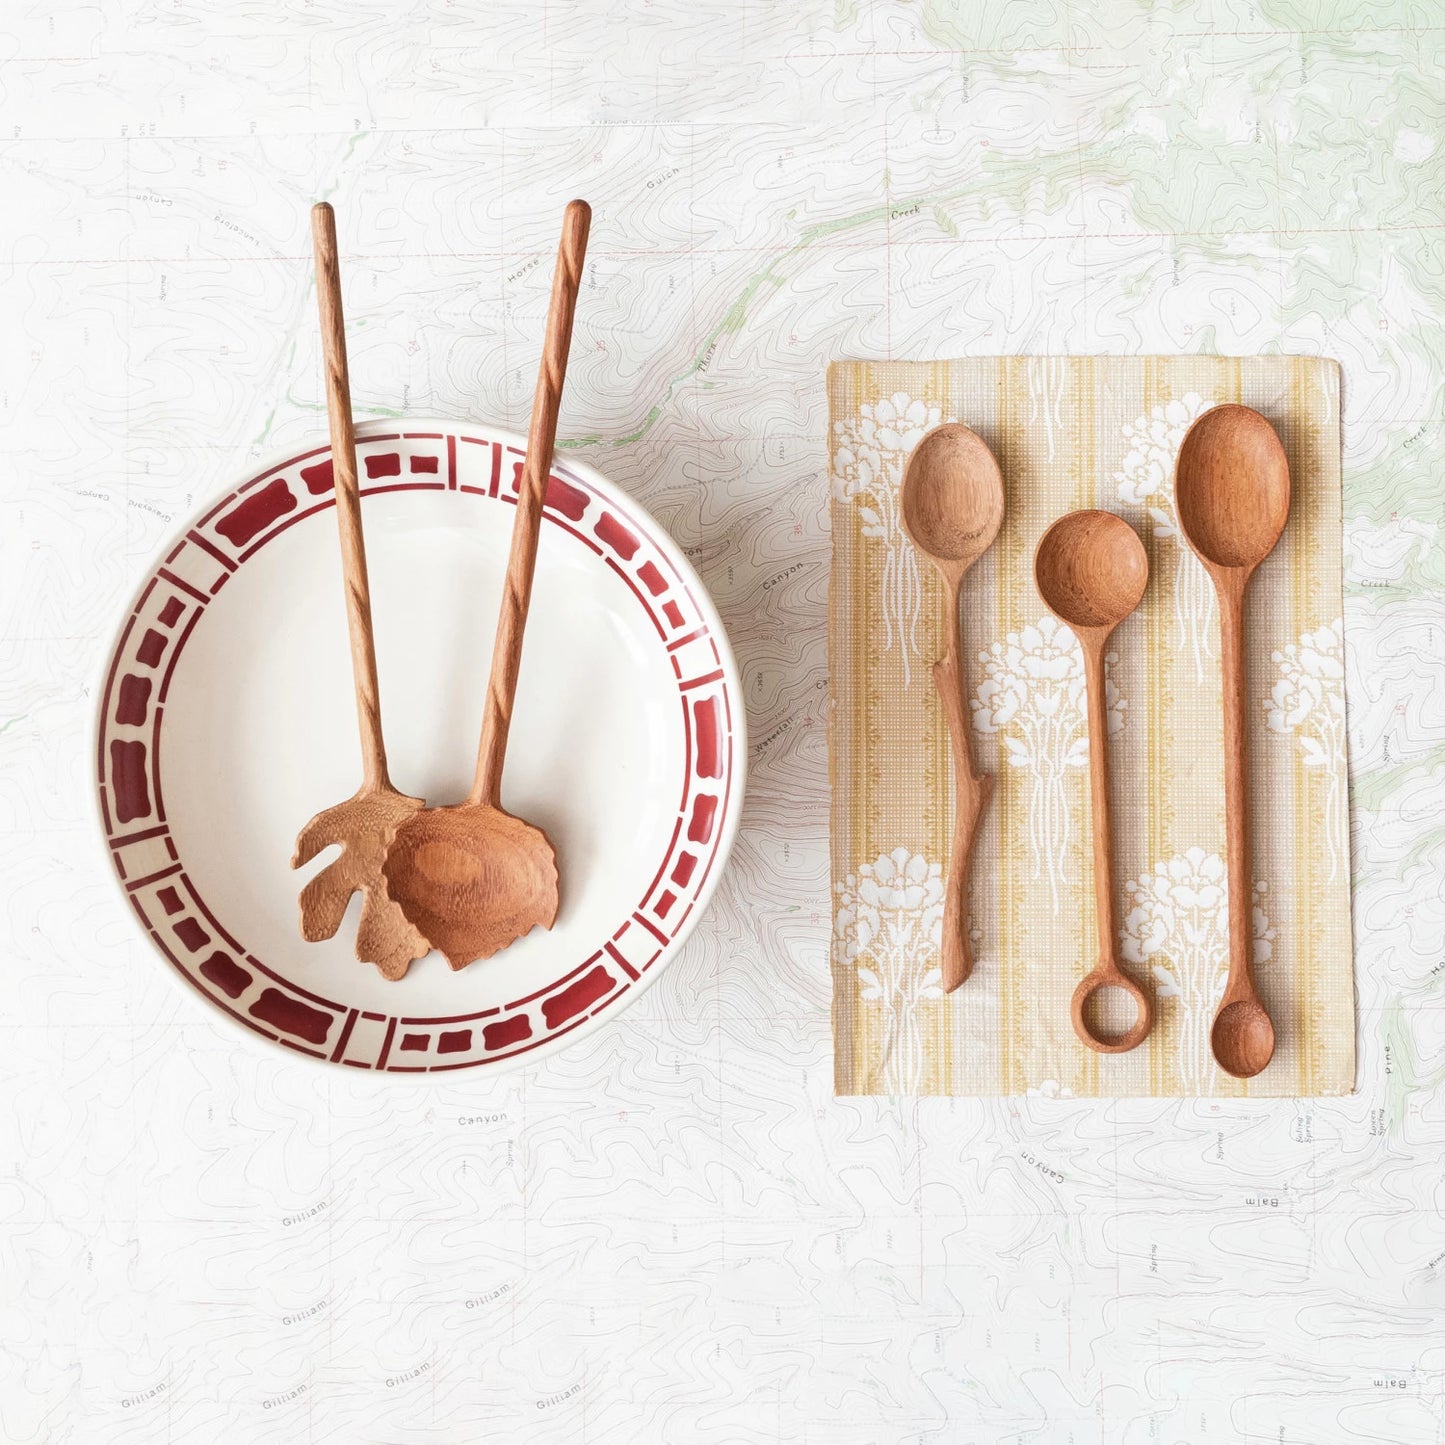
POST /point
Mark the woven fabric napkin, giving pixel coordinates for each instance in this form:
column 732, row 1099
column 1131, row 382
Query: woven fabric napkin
column 1075, row 432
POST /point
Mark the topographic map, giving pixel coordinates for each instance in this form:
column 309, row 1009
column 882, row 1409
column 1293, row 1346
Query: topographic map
column 674, row 1232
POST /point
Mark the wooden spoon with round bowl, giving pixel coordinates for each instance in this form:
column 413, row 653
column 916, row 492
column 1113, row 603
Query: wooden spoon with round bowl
column 364, row 824
column 1091, row 569
column 1231, row 496
column 952, row 508
column 473, row 878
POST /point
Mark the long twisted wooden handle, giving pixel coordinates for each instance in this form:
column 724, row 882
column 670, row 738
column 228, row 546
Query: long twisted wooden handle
column 348, row 496
column 517, row 591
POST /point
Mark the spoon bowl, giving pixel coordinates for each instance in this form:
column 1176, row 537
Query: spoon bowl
column 474, row 878
column 1242, row 1038
column 1091, row 569
column 1231, row 487
column 952, row 498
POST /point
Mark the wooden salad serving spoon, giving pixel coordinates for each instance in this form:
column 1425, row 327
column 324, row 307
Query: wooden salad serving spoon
column 473, row 878
column 1091, row 569
column 952, row 508
column 365, row 824
column 1231, row 496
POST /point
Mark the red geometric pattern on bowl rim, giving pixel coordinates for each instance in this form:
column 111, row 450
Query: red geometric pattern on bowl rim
column 130, row 782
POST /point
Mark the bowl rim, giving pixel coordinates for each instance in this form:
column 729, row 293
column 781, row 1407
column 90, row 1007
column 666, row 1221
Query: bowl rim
column 274, row 460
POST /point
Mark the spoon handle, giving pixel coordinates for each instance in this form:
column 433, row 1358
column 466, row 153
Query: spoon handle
column 1101, row 807
column 1107, row 973
column 972, row 792
column 348, row 496
column 532, row 494
column 1230, row 590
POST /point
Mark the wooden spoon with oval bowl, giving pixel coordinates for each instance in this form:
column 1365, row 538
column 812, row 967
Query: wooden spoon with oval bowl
column 474, row 878
column 365, row 824
column 952, row 508
column 1091, row 569
column 1231, row 495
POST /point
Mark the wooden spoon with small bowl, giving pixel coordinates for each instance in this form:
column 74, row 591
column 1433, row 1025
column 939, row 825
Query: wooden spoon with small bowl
column 474, row 878
column 364, row 824
column 952, row 508
column 1091, row 569
column 1231, row 496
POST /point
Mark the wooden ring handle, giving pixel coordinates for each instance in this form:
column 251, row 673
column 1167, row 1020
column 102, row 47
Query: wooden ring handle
column 1106, row 976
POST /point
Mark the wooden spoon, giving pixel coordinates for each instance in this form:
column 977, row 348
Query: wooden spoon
column 473, row 878
column 1231, row 495
column 952, row 507
column 365, row 824
column 1090, row 568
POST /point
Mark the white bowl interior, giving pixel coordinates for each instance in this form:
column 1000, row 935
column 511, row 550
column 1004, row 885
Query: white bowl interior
column 260, row 733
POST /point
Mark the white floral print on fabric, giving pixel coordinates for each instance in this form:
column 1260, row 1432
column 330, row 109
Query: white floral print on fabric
column 888, row 924
column 1146, row 479
column 1032, row 694
column 1177, row 925
column 869, row 454
column 1308, row 701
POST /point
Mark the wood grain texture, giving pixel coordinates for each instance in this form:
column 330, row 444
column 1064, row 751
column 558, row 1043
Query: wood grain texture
column 952, row 508
column 1091, row 570
column 365, row 824
column 1231, row 588
column 541, row 438
column 1232, row 495
column 348, row 494
column 475, row 878
column 971, row 793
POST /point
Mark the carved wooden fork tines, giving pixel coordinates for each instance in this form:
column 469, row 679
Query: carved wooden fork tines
column 365, row 824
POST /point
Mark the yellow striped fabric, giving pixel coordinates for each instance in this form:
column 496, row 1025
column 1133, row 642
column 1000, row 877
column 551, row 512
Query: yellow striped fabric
column 1082, row 432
